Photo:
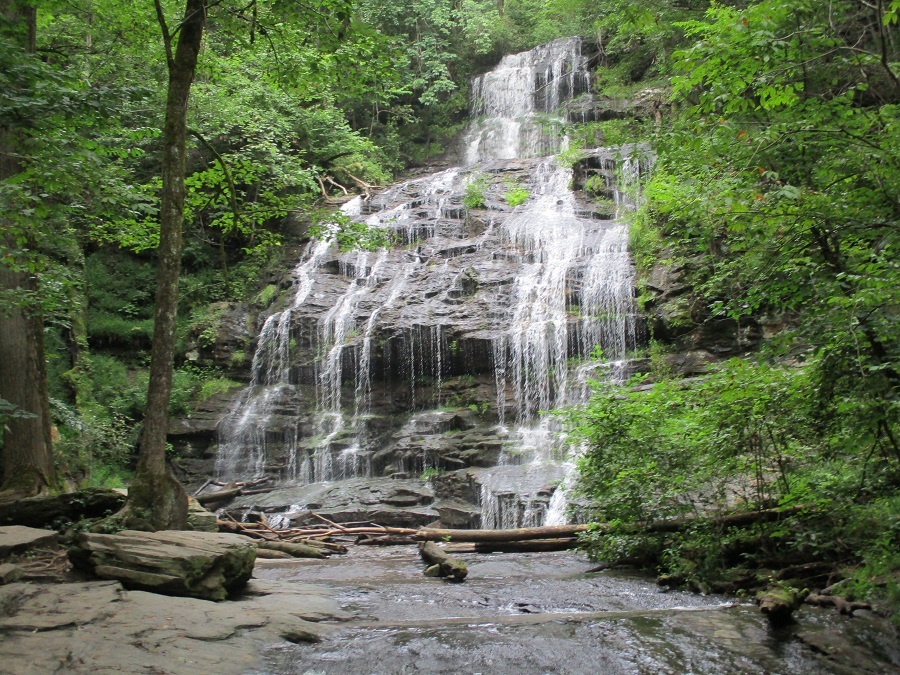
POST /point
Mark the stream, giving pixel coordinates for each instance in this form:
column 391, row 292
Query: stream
column 545, row 613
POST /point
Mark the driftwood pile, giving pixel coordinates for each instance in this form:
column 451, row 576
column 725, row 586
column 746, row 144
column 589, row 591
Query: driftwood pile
column 323, row 540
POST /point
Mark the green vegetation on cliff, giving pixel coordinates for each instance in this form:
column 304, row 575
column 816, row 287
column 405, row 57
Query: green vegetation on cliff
column 774, row 199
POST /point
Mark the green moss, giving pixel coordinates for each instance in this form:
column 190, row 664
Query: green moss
column 218, row 385
column 266, row 295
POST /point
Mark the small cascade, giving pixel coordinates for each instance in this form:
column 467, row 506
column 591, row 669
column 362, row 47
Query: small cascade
column 244, row 436
column 331, row 424
column 516, row 106
column 446, row 351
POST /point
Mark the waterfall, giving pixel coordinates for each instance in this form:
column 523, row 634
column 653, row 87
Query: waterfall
column 244, row 433
column 516, row 106
column 480, row 319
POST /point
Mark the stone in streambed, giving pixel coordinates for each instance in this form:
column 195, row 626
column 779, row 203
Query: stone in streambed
column 9, row 573
column 779, row 602
column 199, row 519
column 197, row 564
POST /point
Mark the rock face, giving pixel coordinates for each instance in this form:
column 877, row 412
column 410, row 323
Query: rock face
column 677, row 318
column 386, row 501
column 198, row 564
column 440, row 354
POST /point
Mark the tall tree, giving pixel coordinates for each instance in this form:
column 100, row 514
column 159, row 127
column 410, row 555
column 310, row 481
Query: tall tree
column 27, row 451
column 156, row 499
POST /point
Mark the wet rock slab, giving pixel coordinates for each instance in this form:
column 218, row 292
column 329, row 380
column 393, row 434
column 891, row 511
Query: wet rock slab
column 543, row 613
column 99, row 627
column 386, row 501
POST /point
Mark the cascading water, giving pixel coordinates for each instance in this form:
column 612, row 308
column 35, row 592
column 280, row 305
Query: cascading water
column 444, row 352
column 516, row 106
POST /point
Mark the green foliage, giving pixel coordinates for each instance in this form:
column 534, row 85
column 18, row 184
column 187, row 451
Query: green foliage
column 431, row 473
column 750, row 436
column 119, row 293
column 752, row 432
column 645, row 240
column 216, row 385
column 266, row 295
column 351, row 235
column 570, row 156
column 515, row 195
column 95, row 446
column 475, row 189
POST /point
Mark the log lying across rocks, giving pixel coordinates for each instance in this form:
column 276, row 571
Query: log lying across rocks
column 844, row 606
column 207, row 565
column 530, row 546
column 263, row 535
column 294, row 550
column 42, row 511
column 230, row 491
column 547, row 538
column 440, row 564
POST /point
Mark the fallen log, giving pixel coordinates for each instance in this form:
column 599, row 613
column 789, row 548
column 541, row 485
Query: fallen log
column 296, row 550
column 441, row 564
column 325, row 545
column 267, row 554
column 529, row 533
column 240, row 528
column 532, row 546
column 385, row 541
column 806, row 572
column 220, row 496
column 494, row 536
column 844, row 606
column 42, row 511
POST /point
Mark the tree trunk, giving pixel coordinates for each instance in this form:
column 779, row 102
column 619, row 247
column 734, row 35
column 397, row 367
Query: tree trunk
column 27, row 458
column 156, row 499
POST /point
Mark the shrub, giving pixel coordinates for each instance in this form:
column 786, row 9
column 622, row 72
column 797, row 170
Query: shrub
column 516, row 195
column 475, row 189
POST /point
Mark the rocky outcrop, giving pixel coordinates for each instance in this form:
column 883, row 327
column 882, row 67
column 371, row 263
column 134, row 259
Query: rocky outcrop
column 645, row 103
column 197, row 564
column 194, row 438
column 676, row 317
column 385, row 501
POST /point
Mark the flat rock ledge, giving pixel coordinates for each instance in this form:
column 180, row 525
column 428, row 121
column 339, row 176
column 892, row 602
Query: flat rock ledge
column 18, row 538
column 206, row 565
column 100, row 627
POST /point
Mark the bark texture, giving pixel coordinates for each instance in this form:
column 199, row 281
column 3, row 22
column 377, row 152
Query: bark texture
column 27, row 459
column 157, row 500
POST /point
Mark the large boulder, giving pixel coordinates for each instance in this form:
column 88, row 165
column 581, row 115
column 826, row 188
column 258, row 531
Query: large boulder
column 198, row 564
